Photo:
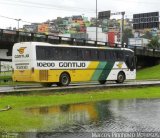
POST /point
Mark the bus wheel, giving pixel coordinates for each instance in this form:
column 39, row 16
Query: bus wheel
column 64, row 79
column 102, row 81
column 46, row 84
column 120, row 77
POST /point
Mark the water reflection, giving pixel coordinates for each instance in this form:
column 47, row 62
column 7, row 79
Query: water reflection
column 136, row 115
column 82, row 113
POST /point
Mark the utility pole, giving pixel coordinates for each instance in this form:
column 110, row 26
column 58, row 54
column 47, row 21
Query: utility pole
column 122, row 42
column 18, row 39
column 18, row 23
column 96, row 24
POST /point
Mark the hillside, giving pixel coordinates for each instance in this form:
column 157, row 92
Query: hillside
column 149, row 73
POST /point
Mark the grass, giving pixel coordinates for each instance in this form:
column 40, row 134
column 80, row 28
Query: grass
column 149, row 73
column 5, row 78
column 18, row 120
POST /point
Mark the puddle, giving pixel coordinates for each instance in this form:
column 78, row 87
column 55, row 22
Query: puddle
column 73, row 112
column 142, row 115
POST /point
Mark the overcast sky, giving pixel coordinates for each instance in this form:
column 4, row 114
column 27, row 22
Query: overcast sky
column 42, row 10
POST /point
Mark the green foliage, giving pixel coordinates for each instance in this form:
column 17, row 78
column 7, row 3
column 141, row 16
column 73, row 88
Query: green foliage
column 77, row 28
column 149, row 73
column 147, row 35
column 154, row 43
column 59, row 21
column 127, row 34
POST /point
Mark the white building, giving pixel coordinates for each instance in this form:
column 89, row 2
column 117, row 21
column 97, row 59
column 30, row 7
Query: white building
column 91, row 31
column 138, row 42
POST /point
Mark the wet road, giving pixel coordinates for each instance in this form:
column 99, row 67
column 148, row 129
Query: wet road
column 37, row 87
column 81, row 120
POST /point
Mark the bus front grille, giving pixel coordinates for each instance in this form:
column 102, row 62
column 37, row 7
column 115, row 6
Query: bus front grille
column 43, row 75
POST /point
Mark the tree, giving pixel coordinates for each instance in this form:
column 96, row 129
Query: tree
column 147, row 35
column 154, row 43
column 77, row 28
column 59, row 21
column 127, row 34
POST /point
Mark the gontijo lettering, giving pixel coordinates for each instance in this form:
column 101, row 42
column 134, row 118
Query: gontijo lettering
column 72, row 64
column 62, row 64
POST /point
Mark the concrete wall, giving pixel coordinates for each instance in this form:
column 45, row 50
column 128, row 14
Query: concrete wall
column 3, row 54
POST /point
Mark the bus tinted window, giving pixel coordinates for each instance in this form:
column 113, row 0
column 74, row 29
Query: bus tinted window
column 56, row 53
column 80, row 54
column 45, row 53
column 86, row 54
column 69, row 54
column 101, row 55
column 119, row 55
column 110, row 55
column 94, row 54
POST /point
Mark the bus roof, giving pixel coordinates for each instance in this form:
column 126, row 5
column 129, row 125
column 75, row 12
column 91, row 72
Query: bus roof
column 62, row 45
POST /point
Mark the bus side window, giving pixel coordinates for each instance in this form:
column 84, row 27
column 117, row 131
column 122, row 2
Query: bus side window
column 73, row 54
column 80, row 54
column 107, row 55
column 111, row 55
column 39, row 53
column 119, row 55
column 66, row 53
column 51, row 55
column 86, row 54
column 43, row 53
column 58, row 53
column 101, row 55
column 94, row 55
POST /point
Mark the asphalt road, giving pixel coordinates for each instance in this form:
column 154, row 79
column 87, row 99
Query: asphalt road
column 76, row 86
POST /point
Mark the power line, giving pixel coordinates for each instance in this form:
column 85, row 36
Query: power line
column 14, row 19
column 140, row 2
column 46, row 6
column 37, row 3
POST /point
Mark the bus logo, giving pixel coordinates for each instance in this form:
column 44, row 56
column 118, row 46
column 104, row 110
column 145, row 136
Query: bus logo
column 119, row 65
column 21, row 50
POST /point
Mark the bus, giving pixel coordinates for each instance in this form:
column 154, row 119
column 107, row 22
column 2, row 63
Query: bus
column 61, row 64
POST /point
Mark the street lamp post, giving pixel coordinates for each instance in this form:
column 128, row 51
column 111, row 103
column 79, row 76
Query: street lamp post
column 122, row 31
column 18, row 28
column 96, row 24
column 18, row 23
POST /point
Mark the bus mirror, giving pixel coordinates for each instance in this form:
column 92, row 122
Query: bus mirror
column 135, row 59
column 130, row 61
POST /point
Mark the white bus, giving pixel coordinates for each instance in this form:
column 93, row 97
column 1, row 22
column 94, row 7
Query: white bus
column 61, row 64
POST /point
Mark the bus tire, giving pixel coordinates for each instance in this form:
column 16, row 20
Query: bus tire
column 46, row 84
column 64, row 79
column 120, row 77
column 102, row 81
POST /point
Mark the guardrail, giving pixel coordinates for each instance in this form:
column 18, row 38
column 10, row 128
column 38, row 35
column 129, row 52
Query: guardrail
column 17, row 36
column 145, row 51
